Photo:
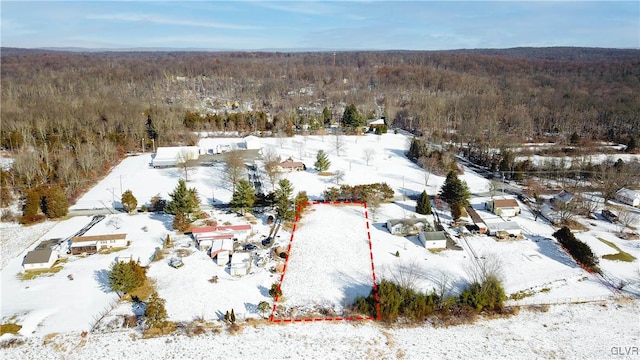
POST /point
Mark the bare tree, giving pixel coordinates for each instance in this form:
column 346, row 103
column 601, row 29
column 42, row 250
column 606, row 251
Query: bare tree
column 484, row 266
column 300, row 148
column 368, row 154
column 186, row 159
column 271, row 166
column 338, row 176
column 339, row 143
column 443, row 283
column 407, row 273
column 281, row 138
column 234, row 167
column 373, row 204
column 627, row 219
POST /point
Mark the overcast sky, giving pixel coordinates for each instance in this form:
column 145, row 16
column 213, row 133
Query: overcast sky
column 321, row 25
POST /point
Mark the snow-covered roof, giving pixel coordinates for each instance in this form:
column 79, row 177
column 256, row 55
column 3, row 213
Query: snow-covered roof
column 563, row 196
column 240, row 259
column 502, row 225
column 628, row 193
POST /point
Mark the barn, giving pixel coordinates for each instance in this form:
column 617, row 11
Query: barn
column 169, row 156
column 39, row 259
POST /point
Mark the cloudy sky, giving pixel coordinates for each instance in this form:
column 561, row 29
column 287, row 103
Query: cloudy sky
column 321, row 25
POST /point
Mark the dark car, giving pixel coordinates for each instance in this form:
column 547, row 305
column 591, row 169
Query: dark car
column 266, row 241
column 249, row 247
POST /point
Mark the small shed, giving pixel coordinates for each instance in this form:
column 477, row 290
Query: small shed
column 39, row 259
column 221, row 246
column 251, row 142
column 433, row 239
column 628, row 197
column 222, row 258
column 507, row 207
column 563, row 197
column 240, row 264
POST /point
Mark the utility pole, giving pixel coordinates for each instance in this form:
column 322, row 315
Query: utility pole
column 120, row 185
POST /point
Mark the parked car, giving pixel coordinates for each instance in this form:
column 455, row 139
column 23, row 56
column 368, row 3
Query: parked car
column 249, row 247
column 267, row 241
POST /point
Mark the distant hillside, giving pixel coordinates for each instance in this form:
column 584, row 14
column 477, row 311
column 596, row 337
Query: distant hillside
column 558, row 53
column 578, row 54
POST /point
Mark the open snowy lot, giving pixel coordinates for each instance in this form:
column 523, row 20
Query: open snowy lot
column 329, row 263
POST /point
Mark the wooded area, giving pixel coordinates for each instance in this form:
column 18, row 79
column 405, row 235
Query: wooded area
column 69, row 117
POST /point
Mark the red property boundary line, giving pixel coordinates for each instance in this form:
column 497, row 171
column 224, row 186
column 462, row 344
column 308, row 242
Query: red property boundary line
column 272, row 317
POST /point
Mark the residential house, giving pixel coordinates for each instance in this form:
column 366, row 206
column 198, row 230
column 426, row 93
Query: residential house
column 289, row 166
column 92, row 244
column 563, row 197
column 240, row 264
column 372, row 124
column 206, row 235
column 39, row 259
column 506, row 207
column 411, row 226
column 433, row 239
column 628, row 196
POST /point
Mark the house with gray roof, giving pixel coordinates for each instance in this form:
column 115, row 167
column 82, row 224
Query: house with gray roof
column 39, row 259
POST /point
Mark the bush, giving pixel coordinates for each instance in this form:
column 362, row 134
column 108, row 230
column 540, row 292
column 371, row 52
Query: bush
column 488, row 295
column 181, row 223
column 580, row 251
column 275, row 290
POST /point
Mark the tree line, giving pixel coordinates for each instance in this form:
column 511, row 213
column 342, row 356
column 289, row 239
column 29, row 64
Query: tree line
column 69, row 117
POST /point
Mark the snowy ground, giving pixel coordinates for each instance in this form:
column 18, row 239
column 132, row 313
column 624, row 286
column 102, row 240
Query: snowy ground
column 323, row 267
column 329, row 264
column 580, row 331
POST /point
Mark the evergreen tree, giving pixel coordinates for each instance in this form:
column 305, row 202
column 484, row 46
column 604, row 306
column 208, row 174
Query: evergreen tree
column 301, row 200
column 263, row 307
column 183, row 201
column 326, row 116
column 32, row 205
column 54, row 202
column 423, row 205
column 243, row 198
column 129, row 202
column 455, row 193
column 351, row 118
column 155, row 314
column 232, row 317
column 284, row 211
column 125, row 277
column 322, row 161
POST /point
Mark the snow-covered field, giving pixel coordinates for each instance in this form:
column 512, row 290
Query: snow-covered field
column 328, row 265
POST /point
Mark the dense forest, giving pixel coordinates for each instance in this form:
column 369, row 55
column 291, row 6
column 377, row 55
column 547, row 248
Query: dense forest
column 68, row 117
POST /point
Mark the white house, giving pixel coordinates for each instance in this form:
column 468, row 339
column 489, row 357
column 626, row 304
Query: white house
column 240, row 264
column 91, row 244
column 433, row 239
column 251, row 142
column 563, row 197
column 407, row 226
column 39, row 259
column 168, row 156
column 507, row 207
column 628, row 196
